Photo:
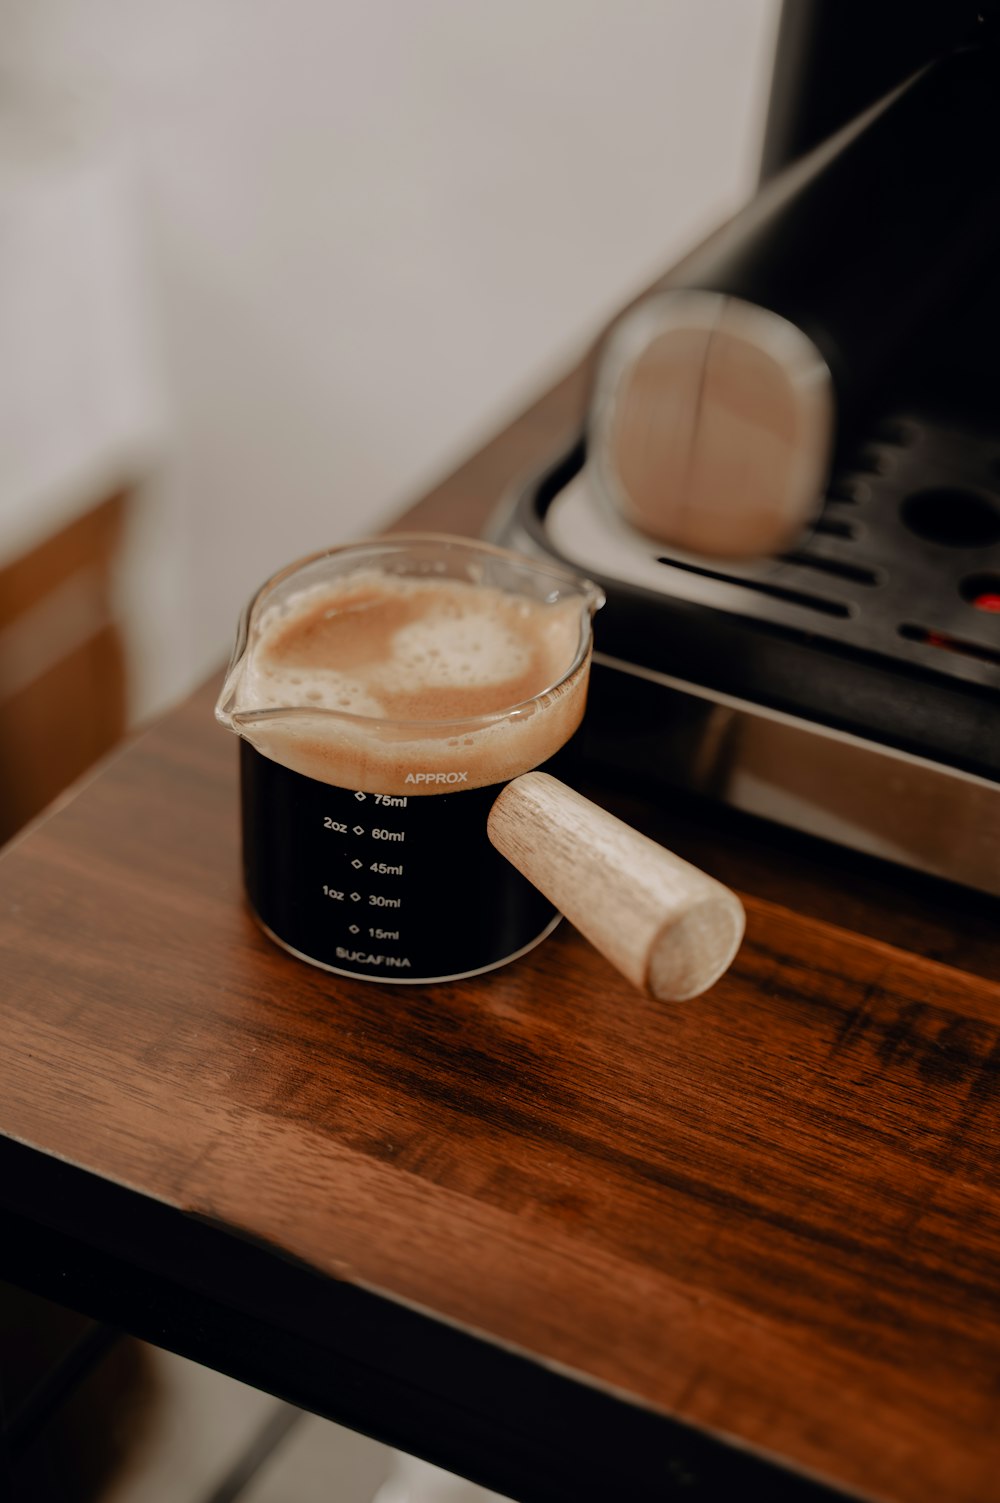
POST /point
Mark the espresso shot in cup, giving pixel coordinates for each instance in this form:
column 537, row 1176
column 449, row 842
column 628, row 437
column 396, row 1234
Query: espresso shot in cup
column 385, row 693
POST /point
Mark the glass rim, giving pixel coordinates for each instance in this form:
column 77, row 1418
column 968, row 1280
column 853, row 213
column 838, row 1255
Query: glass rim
column 592, row 598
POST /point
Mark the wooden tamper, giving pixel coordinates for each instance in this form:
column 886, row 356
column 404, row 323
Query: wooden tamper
column 669, row 928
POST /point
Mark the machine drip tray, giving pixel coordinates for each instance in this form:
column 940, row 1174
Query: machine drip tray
column 848, row 688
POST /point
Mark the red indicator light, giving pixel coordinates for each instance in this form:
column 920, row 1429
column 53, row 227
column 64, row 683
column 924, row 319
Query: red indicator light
column 988, row 602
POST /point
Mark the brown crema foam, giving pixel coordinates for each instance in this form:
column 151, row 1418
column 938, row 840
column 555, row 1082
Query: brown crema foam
column 390, row 683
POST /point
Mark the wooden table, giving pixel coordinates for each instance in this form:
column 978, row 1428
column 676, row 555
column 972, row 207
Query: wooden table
column 535, row 1227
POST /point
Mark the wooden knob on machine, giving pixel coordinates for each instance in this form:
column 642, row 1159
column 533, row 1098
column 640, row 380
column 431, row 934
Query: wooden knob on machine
column 668, row 927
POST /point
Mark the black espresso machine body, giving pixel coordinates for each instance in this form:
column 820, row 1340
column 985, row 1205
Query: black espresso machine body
column 846, row 686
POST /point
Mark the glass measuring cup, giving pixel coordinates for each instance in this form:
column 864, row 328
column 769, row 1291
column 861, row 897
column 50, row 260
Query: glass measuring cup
column 364, row 816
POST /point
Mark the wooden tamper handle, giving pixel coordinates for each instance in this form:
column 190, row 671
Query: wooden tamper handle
column 668, row 927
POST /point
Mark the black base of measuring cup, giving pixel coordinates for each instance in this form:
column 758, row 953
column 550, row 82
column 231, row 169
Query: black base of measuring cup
column 398, row 888
column 339, row 969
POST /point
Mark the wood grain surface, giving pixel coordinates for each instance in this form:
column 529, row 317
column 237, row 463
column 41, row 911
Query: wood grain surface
column 773, row 1213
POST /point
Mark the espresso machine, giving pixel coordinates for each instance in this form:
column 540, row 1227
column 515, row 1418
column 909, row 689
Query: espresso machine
column 788, row 484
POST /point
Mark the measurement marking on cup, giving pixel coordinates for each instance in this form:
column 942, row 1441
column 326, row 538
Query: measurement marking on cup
column 334, row 824
column 390, row 800
column 385, row 870
column 383, row 933
column 437, row 777
column 388, row 834
column 332, row 892
column 378, row 900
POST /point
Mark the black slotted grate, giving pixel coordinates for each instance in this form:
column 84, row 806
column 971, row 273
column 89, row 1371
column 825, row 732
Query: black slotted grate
column 909, row 528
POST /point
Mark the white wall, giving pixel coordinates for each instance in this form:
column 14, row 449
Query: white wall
column 371, row 229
